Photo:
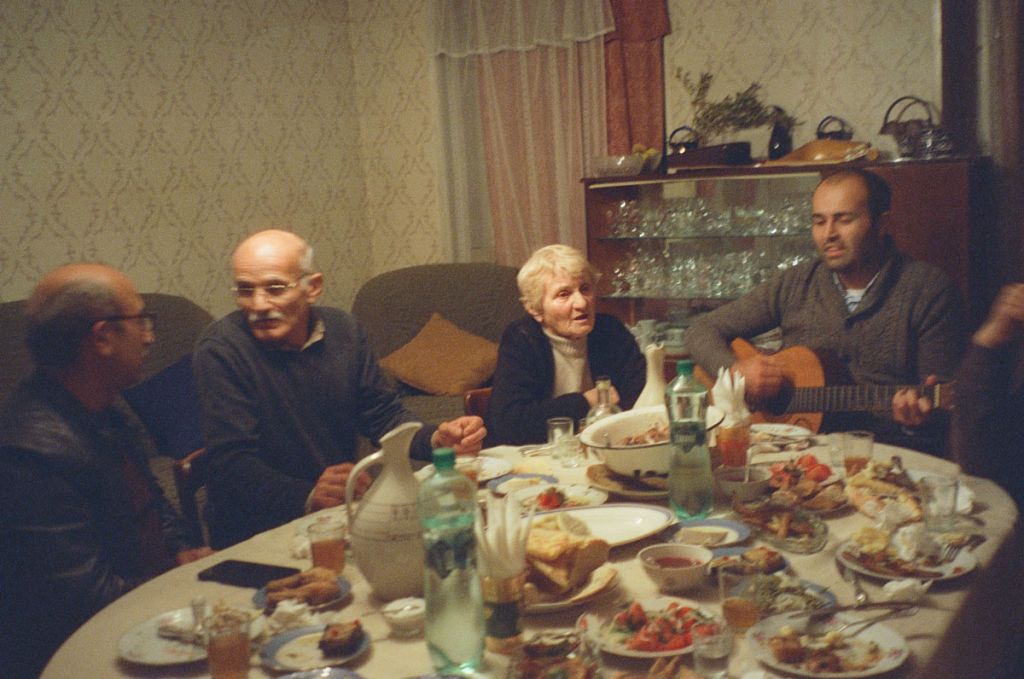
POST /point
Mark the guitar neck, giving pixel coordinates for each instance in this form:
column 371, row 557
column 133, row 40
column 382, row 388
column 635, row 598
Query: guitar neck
column 856, row 398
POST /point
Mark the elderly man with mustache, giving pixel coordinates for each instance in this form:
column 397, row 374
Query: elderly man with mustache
column 285, row 387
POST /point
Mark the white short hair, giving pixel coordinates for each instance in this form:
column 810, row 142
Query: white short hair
column 542, row 264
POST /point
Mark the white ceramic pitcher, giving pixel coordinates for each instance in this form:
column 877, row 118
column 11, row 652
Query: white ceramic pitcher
column 654, row 390
column 384, row 529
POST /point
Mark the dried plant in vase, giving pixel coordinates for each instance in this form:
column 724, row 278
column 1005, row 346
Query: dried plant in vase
column 740, row 111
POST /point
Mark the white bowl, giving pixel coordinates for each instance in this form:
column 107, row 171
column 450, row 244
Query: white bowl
column 405, row 616
column 605, row 438
column 618, row 166
column 675, row 578
column 730, row 482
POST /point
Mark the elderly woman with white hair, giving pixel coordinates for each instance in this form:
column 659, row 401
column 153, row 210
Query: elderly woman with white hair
column 549, row 359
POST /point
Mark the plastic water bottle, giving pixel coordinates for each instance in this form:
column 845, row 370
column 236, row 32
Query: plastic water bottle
column 455, row 616
column 691, row 487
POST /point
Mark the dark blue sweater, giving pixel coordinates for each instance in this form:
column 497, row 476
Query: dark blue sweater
column 274, row 420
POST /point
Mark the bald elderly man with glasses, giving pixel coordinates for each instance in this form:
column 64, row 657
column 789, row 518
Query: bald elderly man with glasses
column 285, row 388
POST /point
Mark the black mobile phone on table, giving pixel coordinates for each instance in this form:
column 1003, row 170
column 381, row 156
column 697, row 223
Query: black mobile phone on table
column 245, row 573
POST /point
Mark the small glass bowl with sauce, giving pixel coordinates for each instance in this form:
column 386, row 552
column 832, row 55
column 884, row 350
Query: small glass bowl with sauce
column 675, row 567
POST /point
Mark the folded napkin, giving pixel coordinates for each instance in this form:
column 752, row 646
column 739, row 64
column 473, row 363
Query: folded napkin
column 727, row 395
column 501, row 545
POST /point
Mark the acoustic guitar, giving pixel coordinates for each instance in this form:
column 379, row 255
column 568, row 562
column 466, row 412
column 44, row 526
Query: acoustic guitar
column 807, row 397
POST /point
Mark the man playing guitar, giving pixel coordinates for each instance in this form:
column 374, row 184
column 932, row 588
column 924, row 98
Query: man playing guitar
column 872, row 312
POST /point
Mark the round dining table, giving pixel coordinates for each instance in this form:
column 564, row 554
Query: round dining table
column 965, row 627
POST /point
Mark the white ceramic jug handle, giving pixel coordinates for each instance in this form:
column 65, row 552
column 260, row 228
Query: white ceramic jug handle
column 350, row 483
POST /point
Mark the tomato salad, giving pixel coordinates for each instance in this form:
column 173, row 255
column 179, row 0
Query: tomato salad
column 668, row 629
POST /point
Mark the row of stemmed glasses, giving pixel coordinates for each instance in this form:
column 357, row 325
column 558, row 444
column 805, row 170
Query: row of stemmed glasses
column 696, row 217
column 657, row 272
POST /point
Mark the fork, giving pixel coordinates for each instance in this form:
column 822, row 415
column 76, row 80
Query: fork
column 949, row 552
column 904, row 611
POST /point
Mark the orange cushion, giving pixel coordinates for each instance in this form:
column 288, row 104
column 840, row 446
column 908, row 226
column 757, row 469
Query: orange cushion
column 443, row 359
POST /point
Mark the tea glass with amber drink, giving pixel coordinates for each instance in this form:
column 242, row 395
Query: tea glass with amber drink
column 227, row 644
column 733, row 443
column 739, row 604
column 327, row 544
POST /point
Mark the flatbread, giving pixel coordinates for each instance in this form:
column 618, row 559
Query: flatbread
column 701, row 537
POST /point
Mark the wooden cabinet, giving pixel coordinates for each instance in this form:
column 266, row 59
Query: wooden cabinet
column 670, row 245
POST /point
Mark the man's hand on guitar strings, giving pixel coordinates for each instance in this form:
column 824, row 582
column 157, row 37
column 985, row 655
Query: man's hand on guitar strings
column 763, row 375
column 911, row 408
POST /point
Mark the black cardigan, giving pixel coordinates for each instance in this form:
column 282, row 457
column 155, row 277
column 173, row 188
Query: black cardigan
column 521, row 401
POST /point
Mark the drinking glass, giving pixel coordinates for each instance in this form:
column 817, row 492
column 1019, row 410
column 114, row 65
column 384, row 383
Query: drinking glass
column 939, row 502
column 227, row 644
column 733, row 443
column 739, row 605
column 327, row 544
column 712, row 643
column 563, row 444
column 858, row 447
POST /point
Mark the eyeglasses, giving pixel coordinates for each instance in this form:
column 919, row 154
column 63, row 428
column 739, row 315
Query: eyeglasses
column 147, row 319
column 274, row 290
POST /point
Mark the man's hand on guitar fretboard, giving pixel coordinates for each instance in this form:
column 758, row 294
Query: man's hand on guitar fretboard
column 911, row 407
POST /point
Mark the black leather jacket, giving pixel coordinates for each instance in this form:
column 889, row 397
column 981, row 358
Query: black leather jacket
column 69, row 533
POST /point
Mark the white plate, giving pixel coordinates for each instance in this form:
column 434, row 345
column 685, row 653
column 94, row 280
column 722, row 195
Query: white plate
column 735, row 531
column 599, row 629
column 579, row 496
column 964, row 563
column 777, row 429
column 620, row 523
column 602, row 580
column 297, row 650
column 510, row 483
column 141, row 644
column 325, row 673
column 892, row 645
column 964, row 495
column 491, row 468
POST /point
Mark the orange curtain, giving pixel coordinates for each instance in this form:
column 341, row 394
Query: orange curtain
column 635, row 74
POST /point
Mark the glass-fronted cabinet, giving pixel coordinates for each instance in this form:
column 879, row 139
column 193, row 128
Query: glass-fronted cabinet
column 670, row 246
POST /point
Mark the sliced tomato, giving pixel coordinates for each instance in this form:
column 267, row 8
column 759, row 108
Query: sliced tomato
column 818, row 472
column 807, row 461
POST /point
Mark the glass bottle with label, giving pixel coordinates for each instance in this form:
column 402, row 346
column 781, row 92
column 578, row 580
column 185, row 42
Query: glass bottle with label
column 604, row 406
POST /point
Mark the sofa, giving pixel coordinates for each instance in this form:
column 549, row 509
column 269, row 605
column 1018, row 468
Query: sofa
column 179, row 324
column 400, row 308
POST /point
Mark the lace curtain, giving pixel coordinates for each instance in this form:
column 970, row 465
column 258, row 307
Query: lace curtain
column 522, row 107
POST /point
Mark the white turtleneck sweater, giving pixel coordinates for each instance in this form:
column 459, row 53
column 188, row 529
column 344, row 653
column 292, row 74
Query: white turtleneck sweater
column 572, row 371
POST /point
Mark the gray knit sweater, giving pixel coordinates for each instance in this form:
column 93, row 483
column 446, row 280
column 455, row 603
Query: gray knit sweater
column 908, row 325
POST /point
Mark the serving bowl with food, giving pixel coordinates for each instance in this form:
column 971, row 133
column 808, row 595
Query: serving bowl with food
column 634, row 443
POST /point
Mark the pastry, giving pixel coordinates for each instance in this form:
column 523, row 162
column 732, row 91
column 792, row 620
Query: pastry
column 341, row 638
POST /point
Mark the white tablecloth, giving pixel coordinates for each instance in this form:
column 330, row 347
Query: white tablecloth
column 969, row 622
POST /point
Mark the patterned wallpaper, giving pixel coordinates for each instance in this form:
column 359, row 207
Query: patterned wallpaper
column 812, row 57
column 154, row 134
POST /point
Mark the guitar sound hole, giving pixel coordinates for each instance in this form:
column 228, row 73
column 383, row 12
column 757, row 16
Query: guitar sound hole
column 779, row 403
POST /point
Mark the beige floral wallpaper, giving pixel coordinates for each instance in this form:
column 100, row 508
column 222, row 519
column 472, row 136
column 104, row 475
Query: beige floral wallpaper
column 153, row 134
column 813, row 58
